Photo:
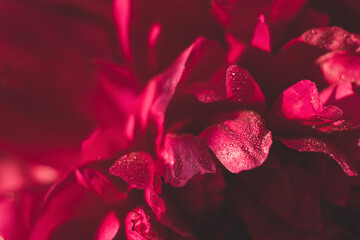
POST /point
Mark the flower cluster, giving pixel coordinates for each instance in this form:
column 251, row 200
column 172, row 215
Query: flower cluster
column 217, row 119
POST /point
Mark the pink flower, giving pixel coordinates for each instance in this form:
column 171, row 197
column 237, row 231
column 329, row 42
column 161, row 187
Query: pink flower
column 224, row 120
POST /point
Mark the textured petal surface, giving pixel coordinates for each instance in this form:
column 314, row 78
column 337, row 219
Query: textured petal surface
column 331, row 38
column 240, row 144
column 184, row 157
column 138, row 226
column 156, row 204
column 316, row 145
column 135, row 168
column 241, row 87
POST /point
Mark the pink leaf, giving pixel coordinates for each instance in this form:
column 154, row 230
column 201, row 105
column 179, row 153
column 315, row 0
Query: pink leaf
column 240, row 144
column 310, row 144
column 184, row 157
column 136, row 168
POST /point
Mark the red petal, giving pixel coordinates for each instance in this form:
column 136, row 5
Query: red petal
column 138, row 226
column 338, row 67
column 159, row 91
column 95, row 181
column 261, row 38
column 184, row 157
column 331, row 38
column 301, row 103
column 310, row 144
column 343, row 96
column 122, row 18
column 240, row 144
column 156, row 204
column 241, row 87
column 109, row 227
column 136, row 168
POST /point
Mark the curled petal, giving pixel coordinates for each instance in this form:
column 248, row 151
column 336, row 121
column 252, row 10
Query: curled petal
column 311, row 144
column 240, row 144
column 301, row 103
column 136, row 168
column 184, row 157
column 138, row 226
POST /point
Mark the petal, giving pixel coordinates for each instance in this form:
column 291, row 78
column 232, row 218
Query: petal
column 261, row 38
column 184, row 157
column 122, row 18
column 135, row 168
column 310, row 144
column 95, row 181
column 69, row 206
column 156, row 204
column 135, row 21
column 301, row 103
column 241, row 87
column 331, row 38
column 338, row 67
column 191, row 66
column 138, row 226
column 344, row 96
column 109, row 227
column 157, row 94
column 240, row 144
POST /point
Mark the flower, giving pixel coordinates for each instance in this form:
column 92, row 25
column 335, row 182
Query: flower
column 250, row 131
